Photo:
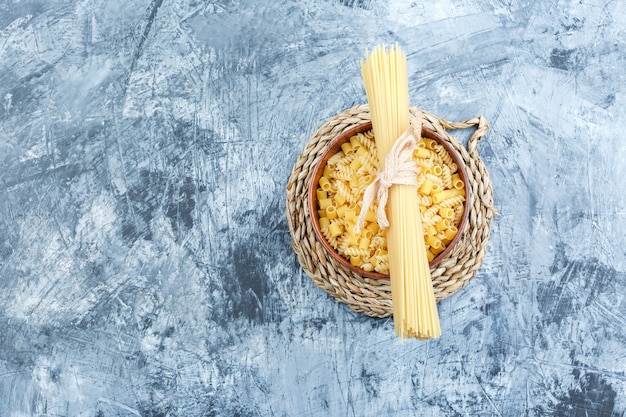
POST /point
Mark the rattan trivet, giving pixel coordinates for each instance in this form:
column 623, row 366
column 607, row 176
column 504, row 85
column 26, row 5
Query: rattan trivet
column 373, row 296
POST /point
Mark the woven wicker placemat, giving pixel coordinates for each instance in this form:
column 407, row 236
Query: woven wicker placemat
column 373, row 296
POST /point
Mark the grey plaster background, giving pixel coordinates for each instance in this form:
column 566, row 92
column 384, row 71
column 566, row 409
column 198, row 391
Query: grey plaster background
column 145, row 260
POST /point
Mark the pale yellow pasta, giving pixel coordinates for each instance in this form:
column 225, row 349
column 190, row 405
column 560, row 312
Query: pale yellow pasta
column 324, row 203
column 381, row 267
column 367, row 267
column 450, row 233
column 321, row 194
column 434, row 243
column 442, row 224
column 434, row 157
column 421, row 152
column 457, row 182
column 458, row 213
column 434, row 178
column 348, row 240
column 423, row 163
column 355, row 143
column 446, row 212
column 355, row 164
column 381, row 263
column 443, row 195
column 425, row 200
column 366, row 233
column 346, row 199
column 429, row 230
column 429, row 213
column 430, row 143
column 367, row 141
column 365, row 181
column 347, row 148
column 345, row 192
column 341, row 214
column 444, row 155
column 332, row 240
column 452, row 202
column 446, row 177
column 335, row 229
column 427, row 187
column 379, row 242
column 352, row 251
column 324, row 222
column 368, row 161
column 342, row 172
column 374, row 228
column 414, row 309
column 330, row 212
column 351, row 215
column 440, row 197
column 333, row 160
column 324, row 184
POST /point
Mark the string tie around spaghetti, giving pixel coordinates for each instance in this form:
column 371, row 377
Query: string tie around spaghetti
column 399, row 168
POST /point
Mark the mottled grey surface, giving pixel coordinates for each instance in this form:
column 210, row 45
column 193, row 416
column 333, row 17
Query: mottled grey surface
column 145, row 261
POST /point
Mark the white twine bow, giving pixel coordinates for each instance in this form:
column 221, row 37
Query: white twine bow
column 399, row 169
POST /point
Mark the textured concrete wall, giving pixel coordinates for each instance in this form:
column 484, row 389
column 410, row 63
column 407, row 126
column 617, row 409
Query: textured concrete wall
column 145, row 260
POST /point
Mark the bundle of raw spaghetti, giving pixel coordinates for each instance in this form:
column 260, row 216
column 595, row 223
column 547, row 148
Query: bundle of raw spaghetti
column 386, row 85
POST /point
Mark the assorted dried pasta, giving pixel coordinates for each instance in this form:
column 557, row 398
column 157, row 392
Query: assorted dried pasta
column 441, row 193
column 409, row 239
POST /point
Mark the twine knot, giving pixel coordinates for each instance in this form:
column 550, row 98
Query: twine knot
column 398, row 169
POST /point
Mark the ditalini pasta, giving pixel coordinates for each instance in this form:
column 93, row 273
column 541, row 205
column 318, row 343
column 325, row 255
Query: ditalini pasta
column 415, row 313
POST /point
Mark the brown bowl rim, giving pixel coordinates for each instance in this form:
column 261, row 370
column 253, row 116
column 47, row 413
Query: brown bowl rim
column 332, row 148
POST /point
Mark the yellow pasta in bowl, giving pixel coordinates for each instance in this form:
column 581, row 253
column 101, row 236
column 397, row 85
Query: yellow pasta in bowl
column 345, row 169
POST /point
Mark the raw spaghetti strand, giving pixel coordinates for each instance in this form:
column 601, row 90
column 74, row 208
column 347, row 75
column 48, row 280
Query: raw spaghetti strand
column 415, row 314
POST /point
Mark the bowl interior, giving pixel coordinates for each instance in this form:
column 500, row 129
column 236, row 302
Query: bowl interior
column 333, row 148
